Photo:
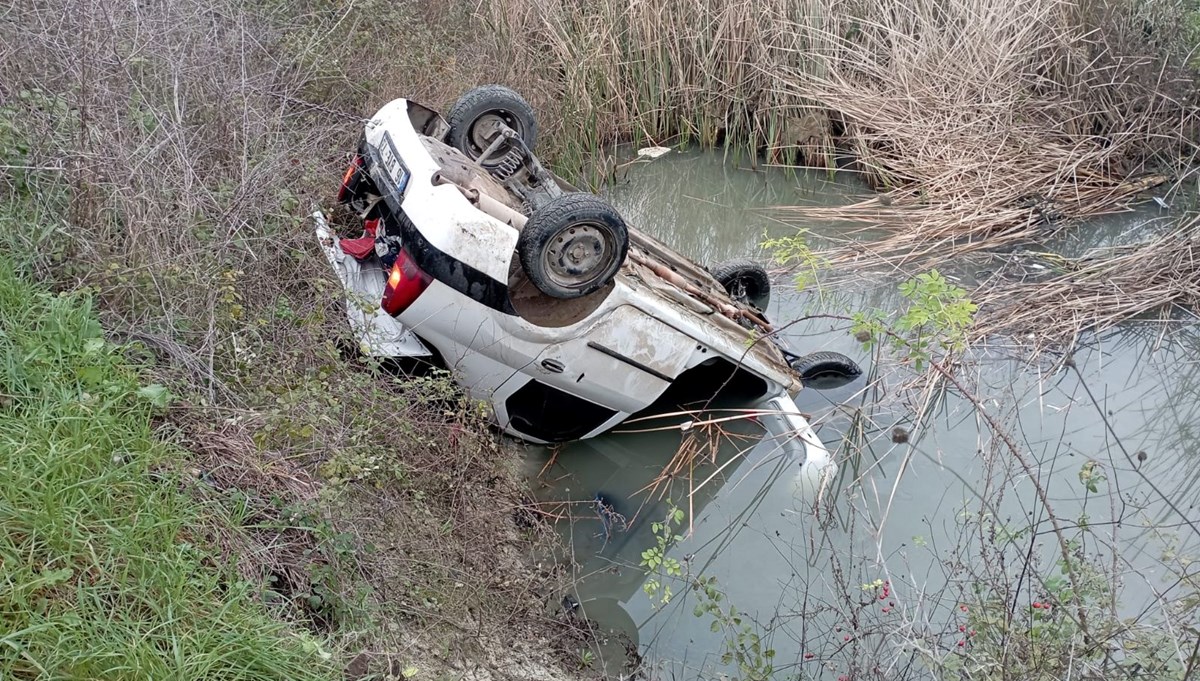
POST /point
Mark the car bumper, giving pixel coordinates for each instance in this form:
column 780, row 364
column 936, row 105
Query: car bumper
column 378, row 333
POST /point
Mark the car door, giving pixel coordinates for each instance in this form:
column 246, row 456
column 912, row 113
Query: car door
column 586, row 384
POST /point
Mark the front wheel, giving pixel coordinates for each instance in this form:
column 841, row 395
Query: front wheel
column 573, row 245
column 823, row 370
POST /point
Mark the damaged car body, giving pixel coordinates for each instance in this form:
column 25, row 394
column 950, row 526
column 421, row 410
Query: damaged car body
column 539, row 298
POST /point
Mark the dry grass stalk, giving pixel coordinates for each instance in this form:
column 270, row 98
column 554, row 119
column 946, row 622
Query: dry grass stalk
column 989, row 121
column 1098, row 291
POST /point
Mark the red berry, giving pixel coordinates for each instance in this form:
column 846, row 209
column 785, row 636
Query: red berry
column 891, row 604
column 886, row 610
column 962, row 627
column 808, row 656
column 962, row 643
column 843, row 677
column 846, row 637
column 964, row 608
column 1036, row 605
column 972, row 633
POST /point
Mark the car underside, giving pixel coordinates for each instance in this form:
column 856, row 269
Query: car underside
column 539, row 298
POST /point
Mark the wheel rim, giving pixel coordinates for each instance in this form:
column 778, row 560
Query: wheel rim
column 579, row 255
column 739, row 290
column 485, row 128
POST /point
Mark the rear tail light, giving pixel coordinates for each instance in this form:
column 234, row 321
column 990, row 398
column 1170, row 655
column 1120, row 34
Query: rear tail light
column 350, row 180
column 405, row 284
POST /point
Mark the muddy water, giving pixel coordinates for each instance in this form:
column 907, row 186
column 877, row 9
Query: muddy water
column 791, row 563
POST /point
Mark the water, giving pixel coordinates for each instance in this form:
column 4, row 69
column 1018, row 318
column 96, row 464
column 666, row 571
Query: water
column 794, row 565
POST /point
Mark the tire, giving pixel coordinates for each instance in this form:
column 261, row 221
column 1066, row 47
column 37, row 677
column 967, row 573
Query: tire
column 745, row 281
column 573, row 245
column 484, row 105
column 824, row 370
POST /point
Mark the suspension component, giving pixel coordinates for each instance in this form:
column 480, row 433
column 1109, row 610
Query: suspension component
column 508, row 165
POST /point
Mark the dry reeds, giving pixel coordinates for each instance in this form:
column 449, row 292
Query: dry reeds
column 992, row 121
column 987, row 121
column 690, row 70
column 1096, row 292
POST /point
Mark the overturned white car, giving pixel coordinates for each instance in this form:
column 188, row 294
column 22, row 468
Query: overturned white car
column 540, row 299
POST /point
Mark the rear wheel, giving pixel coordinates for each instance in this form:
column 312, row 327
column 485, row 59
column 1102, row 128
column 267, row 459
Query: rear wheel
column 573, row 245
column 479, row 115
column 745, row 281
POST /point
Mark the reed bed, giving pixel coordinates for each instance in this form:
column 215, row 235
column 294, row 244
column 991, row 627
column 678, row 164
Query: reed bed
column 663, row 71
column 1096, row 292
column 988, row 122
column 985, row 121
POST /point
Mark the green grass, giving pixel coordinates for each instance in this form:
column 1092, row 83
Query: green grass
column 105, row 569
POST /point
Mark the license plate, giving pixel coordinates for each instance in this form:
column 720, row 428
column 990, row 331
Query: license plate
column 391, row 171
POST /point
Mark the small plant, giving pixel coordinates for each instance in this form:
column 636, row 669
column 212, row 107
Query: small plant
column 1091, row 475
column 586, row 658
column 743, row 645
column 794, row 251
column 937, row 320
column 658, row 562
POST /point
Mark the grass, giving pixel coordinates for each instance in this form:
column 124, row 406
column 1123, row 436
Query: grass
column 108, row 572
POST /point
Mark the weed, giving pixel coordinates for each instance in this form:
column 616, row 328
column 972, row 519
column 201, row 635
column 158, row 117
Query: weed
column 794, row 252
column 743, row 644
column 656, row 560
column 586, row 658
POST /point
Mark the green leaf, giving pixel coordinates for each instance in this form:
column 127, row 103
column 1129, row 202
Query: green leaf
column 90, row 375
column 156, row 395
